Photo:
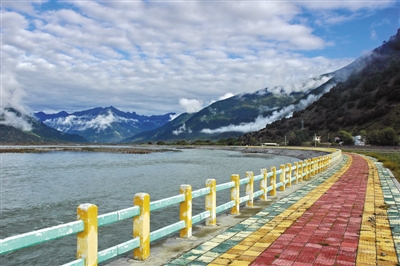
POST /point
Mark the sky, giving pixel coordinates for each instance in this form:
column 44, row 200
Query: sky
column 156, row 57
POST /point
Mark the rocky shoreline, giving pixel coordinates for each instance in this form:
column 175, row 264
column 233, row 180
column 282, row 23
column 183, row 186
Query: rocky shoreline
column 146, row 149
column 110, row 149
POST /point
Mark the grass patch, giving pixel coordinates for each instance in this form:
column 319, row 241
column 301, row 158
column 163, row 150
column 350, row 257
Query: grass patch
column 389, row 159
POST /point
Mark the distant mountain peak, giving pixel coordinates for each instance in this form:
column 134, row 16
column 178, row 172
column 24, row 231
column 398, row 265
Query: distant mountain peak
column 19, row 128
column 103, row 124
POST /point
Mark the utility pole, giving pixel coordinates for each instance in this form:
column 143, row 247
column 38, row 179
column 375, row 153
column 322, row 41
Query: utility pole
column 315, row 139
column 285, row 140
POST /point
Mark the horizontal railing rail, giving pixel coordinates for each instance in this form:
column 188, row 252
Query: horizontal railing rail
column 86, row 227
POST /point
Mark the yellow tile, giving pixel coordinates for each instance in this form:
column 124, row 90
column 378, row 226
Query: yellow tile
column 240, row 247
column 239, row 263
column 251, row 253
column 247, row 258
column 220, row 261
column 229, row 256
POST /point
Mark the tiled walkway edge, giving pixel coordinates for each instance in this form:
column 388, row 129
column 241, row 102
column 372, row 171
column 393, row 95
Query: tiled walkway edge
column 348, row 215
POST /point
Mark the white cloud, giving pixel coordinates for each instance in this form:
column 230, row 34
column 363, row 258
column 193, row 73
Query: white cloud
column 143, row 56
column 11, row 119
column 260, row 122
column 191, row 105
column 349, row 5
column 172, row 117
column 81, row 123
column 226, row 96
column 373, row 34
column 181, row 130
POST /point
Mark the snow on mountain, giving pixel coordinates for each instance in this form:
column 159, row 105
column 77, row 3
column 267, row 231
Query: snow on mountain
column 103, row 124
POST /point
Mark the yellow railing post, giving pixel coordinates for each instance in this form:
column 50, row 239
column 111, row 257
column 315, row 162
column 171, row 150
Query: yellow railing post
column 282, row 177
column 141, row 226
column 304, row 170
column 312, row 166
column 273, row 181
column 250, row 189
column 296, row 172
column 211, row 202
column 301, row 171
column 264, row 184
column 322, row 164
column 327, row 160
column 235, row 194
column 307, row 169
column 87, row 241
column 289, row 175
column 319, row 164
column 186, row 211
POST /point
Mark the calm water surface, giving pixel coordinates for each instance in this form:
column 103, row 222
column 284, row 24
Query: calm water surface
column 43, row 190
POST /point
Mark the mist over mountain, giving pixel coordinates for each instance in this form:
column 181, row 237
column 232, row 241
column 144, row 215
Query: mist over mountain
column 105, row 125
column 19, row 128
column 250, row 112
column 366, row 102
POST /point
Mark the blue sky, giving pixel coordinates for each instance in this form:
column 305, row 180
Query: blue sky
column 154, row 57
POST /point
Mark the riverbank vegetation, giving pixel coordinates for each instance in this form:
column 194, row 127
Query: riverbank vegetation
column 389, row 158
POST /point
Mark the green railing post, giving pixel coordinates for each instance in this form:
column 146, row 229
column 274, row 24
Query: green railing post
column 235, row 195
column 186, row 211
column 211, row 202
column 141, row 226
column 282, row 177
column 273, row 181
column 264, row 184
column 87, row 240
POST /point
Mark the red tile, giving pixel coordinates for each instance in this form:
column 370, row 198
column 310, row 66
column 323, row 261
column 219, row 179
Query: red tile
column 281, row 262
column 333, row 220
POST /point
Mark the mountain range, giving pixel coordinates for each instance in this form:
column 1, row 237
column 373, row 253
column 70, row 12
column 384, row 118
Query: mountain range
column 249, row 112
column 105, row 125
column 361, row 96
column 366, row 104
column 19, row 128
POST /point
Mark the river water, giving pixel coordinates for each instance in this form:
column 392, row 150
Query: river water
column 40, row 190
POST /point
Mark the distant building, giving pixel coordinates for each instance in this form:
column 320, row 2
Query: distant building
column 269, row 144
column 317, row 138
column 359, row 141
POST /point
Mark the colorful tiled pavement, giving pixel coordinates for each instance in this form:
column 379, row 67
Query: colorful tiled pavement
column 349, row 215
